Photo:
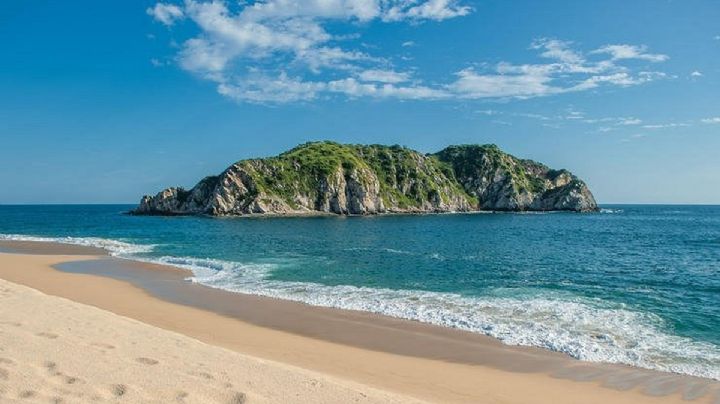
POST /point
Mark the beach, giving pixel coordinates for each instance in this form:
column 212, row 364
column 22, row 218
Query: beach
column 360, row 201
column 73, row 336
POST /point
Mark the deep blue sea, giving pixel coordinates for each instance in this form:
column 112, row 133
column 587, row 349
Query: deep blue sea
column 633, row 284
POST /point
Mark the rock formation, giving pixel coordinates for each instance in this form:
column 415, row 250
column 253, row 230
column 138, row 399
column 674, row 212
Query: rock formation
column 327, row 177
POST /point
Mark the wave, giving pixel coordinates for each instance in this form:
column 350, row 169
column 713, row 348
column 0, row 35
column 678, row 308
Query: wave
column 586, row 329
column 611, row 211
column 115, row 248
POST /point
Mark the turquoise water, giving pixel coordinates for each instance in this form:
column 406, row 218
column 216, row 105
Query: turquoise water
column 638, row 285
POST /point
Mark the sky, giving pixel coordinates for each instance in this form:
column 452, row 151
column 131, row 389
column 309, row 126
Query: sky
column 103, row 102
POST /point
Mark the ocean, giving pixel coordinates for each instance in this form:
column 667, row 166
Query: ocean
column 633, row 284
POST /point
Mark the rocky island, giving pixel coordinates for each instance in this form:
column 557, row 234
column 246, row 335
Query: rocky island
column 333, row 178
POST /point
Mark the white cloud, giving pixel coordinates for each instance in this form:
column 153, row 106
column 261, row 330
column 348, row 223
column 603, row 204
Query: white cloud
column 715, row 119
column 666, row 125
column 437, row 10
column 361, row 10
column 629, row 121
column 573, row 114
column 289, row 27
column 560, row 50
column 614, row 121
column 282, row 51
column 354, row 88
column 533, row 116
column 264, row 89
column 619, row 52
column 383, row 76
column 284, row 89
column 326, row 57
column 471, row 84
column 570, row 72
column 166, row 13
column 696, row 73
column 408, row 44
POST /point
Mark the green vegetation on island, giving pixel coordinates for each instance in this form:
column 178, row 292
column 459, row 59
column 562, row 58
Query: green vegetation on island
column 370, row 179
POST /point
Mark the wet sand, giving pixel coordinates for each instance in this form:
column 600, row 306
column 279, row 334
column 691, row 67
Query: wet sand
column 423, row 361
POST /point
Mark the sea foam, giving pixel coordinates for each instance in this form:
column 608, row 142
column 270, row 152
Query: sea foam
column 113, row 247
column 585, row 329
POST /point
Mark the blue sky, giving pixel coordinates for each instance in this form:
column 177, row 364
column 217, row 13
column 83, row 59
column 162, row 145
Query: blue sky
column 102, row 102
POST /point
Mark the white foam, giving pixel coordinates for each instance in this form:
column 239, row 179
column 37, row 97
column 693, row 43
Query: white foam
column 585, row 329
column 115, row 248
column 611, row 211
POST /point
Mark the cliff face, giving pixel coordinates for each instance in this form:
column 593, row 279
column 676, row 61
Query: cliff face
column 356, row 179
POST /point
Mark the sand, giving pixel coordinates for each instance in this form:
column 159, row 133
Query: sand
column 56, row 350
column 113, row 341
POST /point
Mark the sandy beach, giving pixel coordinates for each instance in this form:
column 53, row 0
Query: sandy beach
column 100, row 329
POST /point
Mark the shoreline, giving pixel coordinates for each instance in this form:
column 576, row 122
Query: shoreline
column 428, row 362
column 317, row 213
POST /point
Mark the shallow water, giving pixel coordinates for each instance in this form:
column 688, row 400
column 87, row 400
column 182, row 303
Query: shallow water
column 634, row 284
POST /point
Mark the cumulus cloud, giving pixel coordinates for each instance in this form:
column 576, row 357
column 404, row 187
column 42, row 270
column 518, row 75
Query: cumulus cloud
column 696, row 73
column 166, row 13
column 278, row 51
column 290, row 27
column 715, row 119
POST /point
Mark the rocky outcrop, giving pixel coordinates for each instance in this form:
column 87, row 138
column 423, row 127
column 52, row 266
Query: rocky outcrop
column 503, row 182
column 326, row 177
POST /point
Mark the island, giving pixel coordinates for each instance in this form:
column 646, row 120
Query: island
column 343, row 179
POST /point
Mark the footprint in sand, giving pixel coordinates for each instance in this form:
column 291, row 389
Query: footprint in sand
column 27, row 394
column 119, row 390
column 4, row 375
column 71, row 379
column 206, row 375
column 102, row 345
column 6, row 361
column 51, row 367
column 147, row 361
column 47, row 335
column 238, row 398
